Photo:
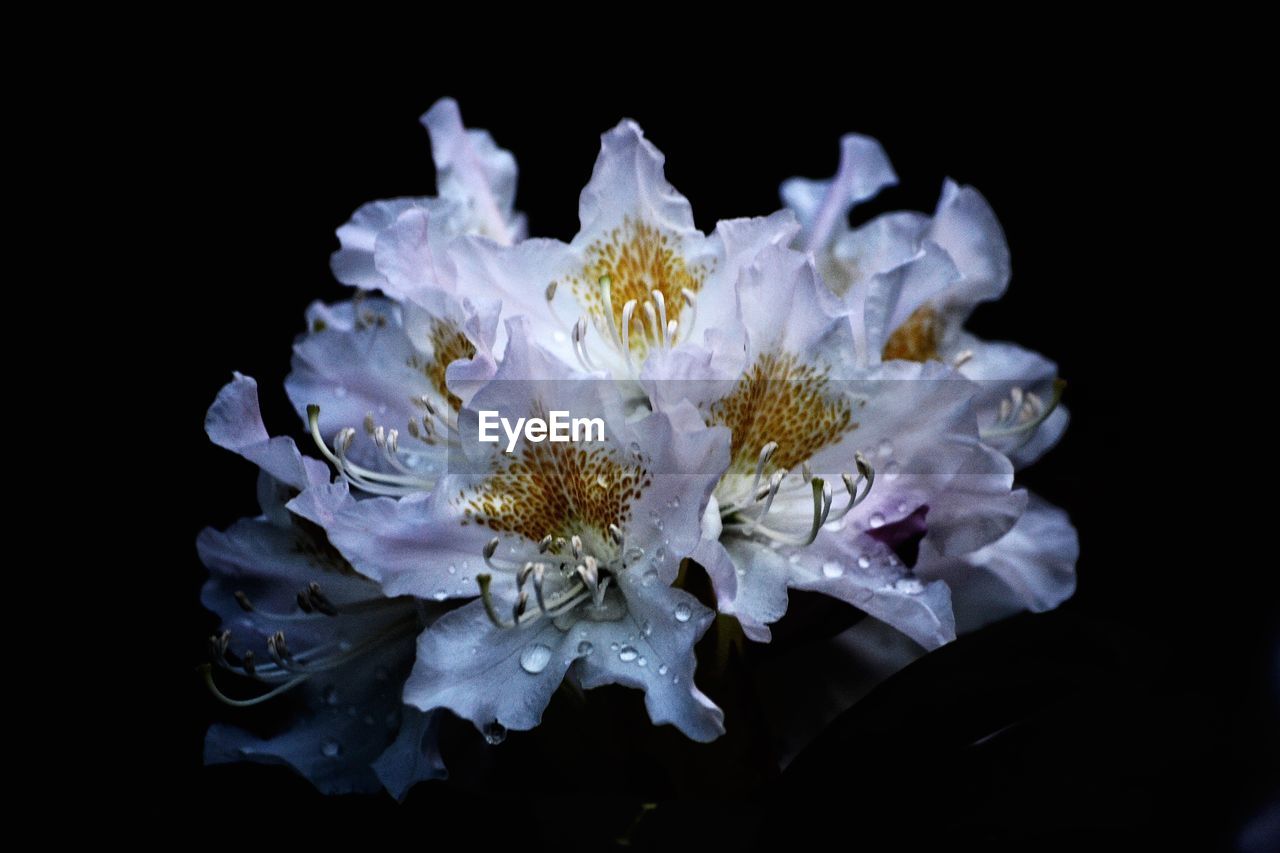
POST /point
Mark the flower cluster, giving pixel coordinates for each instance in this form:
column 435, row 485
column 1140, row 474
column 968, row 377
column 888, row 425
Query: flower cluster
column 790, row 403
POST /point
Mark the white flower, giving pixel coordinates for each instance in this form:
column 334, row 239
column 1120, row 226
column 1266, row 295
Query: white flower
column 836, row 471
column 638, row 278
column 911, row 281
column 572, row 550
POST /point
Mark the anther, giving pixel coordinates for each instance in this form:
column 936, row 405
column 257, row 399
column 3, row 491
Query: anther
column 319, row 601
column 368, row 423
column 615, row 533
column 544, row 543
column 243, row 601
column 576, row 544
column 248, row 664
column 305, row 603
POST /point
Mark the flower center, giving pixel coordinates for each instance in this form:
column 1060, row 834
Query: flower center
column 918, row 338
column 447, row 345
column 782, row 401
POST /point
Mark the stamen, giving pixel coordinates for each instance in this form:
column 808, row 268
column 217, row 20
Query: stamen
column 247, row 663
column 690, row 299
column 606, row 293
column 962, row 358
column 486, row 596
column 766, row 453
column 243, row 601
column 319, row 601
column 627, row 311
column 1028, row 428
column 615, row 533
column 539, row 573
column 661, row 302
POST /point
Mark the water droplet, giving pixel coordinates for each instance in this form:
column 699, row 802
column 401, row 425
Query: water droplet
column 876, row 520
column 642, row 662
column 331, row 696
column 832, row 569
column 340, row 392
column 683, row 612
column 635, row 449
column 646, row 628
column 649, row 577
column 662, row 669
column 864, row 562
column 475, row 650
column 902, row 507
column 330, row 748
column 534, row 658
column 453, row 570
column 675, row 679
column 613, row 647
column 675, row 503
column 862, row 596
column 634, row 555
column 627, row 654
column 441, row 594
column 794, row 559
column 659, row 555
column 885, row 449
column 585, row 648
column 494, row 733
column 908, row 586
column 656, row 519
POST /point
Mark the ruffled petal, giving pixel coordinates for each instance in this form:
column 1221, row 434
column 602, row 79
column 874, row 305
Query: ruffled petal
column 966, row 227
column 234, row 422
column 823, row 206
column 1032, row 567
column 488, row 674
column 473, row 171
column 651, row 649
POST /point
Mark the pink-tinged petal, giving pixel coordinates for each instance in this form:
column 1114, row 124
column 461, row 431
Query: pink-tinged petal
column 823, row 206
column 353, row 263
column 473, row 171
column 410, row 254
column 891, row 297
column 488, row 674
column 234, row 422
column 651, row 649
column 628, row 181
column 966, row 227
column 1032, row 567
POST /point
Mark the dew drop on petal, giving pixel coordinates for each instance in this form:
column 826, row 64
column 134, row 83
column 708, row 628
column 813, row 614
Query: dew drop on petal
column 634, row 554
column 534, row 658
column 613, row 647
column 876, row 520
column 331, row 695
column 885, row 449
column 627, row 654
column 892, row 471
column 340, row 392
column 864, row 562
column 642, row 662
column 330, row 748
column 646, row 628
column 683, row 612
column 832, row 569
column 441, row 594
column 585, row 648
column 662, row 669
column 908, row 586
column 494, row 733
column 453, row 570
column 902, row 507
column 675, row 503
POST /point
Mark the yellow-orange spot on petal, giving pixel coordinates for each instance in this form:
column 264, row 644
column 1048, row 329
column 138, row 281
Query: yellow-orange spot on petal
column 918, row 338
column 779, row 399
column 559, row 489
column 447, row 344
column 637, row 259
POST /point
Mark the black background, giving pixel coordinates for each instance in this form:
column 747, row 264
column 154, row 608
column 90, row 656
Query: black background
column 1143, row 707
